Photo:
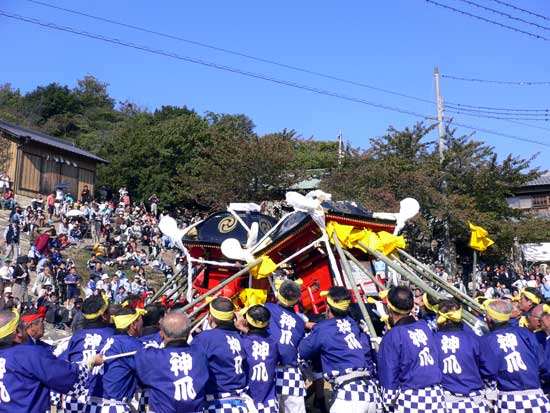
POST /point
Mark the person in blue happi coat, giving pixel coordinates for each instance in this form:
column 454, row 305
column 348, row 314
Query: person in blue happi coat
column 29, row 372
column 459, row 352
column 150, row 338
column 175, row 375
column 118, row 379
column 288, row 328
column 511, row 358
column 226, row 390
column 408, row 367
column 347, row 357
column 86, row 343
column 151, row 330
column 431, row 307
column 261, row 358
column 32, row 322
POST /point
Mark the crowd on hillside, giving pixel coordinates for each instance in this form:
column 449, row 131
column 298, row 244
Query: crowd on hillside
column 122, row 238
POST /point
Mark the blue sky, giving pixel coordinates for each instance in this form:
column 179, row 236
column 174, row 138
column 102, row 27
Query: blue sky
column 390, row 44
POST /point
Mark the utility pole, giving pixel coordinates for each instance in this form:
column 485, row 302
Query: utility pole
column 439, row 116
column 449, row 267
column 340, row 149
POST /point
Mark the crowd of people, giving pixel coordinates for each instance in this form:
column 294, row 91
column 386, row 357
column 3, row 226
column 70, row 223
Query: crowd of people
column 122, row 238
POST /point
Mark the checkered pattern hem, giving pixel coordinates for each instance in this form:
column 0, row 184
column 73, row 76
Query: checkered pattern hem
column 426, row 400
column 98, row 405
column 532, row 401
column 474, row 402
column 289, row 381
column 143, row 401
column 72, row 404
column 389, row 396
column 271, row 406
column 357, row 390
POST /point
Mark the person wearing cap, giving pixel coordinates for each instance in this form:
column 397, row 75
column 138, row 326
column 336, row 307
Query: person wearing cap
column 32, row 322
column 459, row 352
column 29, row 372
column 6, row 301
column 408, row 367
column 222, row 345
column 288, row 328
column 261, row 358
column 87, row 342
column 510, row 358
column 347, row 357
column 175, row 375
column 118, row 379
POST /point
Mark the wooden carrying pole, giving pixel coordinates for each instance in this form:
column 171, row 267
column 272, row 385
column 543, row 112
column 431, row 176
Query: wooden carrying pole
column 433, row 277
column 351, row 280
column 218, row 287
column 417, row 281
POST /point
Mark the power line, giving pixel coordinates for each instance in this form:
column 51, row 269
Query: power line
column 475, row 16
column 249, row 74
column 233, row 52
column 462, row 105
column 503, row 3
column 489, row 116
column 507, row 15
column 498, row 82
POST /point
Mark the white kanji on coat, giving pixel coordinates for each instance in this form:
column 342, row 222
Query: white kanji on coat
column 343, row 325
column 418, row 337
column 92, row 341
column 180, row 363
column 450, row 343
column 260, row 350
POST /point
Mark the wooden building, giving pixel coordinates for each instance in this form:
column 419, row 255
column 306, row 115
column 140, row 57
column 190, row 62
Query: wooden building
column 533, row 197
column 36, row 162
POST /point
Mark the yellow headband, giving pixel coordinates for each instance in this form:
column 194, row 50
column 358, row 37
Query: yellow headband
column 434, row 308
column 455, row 316
column 11, row 326
column 255, row 323
column 123, row 321
column 221, row 315
column 342, row 305
column 494, row 313
column 546, row 308
column 530, row 296
column 284, row 301
column 395, row 309
column 101, row 310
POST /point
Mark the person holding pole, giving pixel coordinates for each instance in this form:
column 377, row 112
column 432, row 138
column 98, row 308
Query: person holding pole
column 261, row 357
column 223, row 347
column 346, row 356
column 459, row 361
column 119, row 380
column 510, row 359
column 86, row 343
column 288, row 328
column 29, row 372
column 408, row 360
column 175, row 375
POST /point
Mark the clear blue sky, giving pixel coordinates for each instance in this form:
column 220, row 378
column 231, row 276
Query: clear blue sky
column 391, row 44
